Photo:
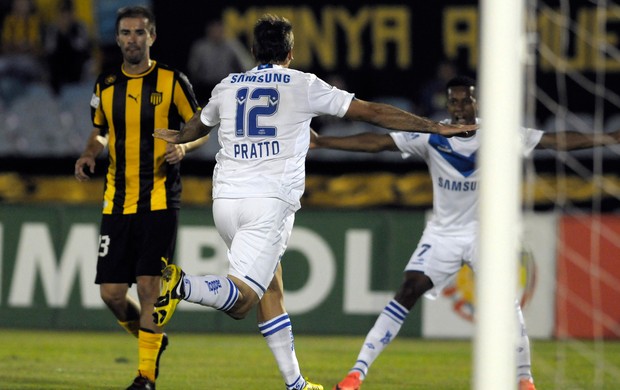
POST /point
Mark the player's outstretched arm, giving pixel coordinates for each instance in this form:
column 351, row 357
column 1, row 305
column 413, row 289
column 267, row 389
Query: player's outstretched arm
column 572, row 140
column 363, row 142
column 193, row 130
column 390, row 117
column 176, row 152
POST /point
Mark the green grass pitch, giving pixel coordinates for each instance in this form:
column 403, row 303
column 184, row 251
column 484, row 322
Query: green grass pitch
column 92, row 360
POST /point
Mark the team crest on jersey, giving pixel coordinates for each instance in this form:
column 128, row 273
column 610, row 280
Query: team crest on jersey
column 461, row 292
column 156, row 98
column 109, row 80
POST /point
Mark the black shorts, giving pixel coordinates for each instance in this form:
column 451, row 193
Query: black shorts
column 133, row 245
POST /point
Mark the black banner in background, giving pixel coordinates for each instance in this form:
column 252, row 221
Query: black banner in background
column 392, row 48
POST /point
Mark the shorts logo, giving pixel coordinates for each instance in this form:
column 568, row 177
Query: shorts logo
column 156, row 98
column 214, row 286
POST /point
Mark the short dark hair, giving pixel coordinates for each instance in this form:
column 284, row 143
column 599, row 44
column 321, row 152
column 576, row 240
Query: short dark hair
column 461, row 81
column 273, row 39
column 137, row 11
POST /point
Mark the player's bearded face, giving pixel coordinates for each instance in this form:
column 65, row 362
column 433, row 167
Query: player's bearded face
column 134, row 39
column 133, row 54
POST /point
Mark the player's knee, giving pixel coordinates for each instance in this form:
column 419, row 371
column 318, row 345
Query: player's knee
column 147, row 294
column 274, row 292
column 113, row 300
column 414, row 285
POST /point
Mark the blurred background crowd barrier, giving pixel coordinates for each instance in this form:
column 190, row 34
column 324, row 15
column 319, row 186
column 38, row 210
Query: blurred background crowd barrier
column 396, row 52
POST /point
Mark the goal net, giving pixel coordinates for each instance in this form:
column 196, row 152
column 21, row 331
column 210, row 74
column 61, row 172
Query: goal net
column 572, row 83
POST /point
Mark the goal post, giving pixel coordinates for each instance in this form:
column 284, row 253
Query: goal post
column 501, row 96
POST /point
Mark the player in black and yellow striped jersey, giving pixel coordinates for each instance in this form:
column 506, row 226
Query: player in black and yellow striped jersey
column 142, row 186
column 127, row 107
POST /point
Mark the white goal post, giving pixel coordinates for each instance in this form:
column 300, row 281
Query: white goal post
column 501, row 96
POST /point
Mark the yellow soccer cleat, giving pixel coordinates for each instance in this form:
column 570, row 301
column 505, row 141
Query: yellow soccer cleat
column 312, row 386
column 171, row 294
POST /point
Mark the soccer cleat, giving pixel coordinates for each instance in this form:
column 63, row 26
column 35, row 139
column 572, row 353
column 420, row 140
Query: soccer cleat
column 350, row 382
column 164, row 344
column 171, row 277
column 526, row 384
column 141, row 383
column 312, row 386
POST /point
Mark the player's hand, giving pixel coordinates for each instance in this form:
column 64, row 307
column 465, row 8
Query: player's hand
column 85, row 161
column 449, row 130
column 168, row 135
column 175, row 153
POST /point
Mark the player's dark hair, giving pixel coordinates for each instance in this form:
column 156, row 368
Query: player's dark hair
column 461, row 81
column 137, row 11
column 273, row 39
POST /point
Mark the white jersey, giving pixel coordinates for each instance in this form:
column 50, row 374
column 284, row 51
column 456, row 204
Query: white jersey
column 264, row 134
column 452, row 165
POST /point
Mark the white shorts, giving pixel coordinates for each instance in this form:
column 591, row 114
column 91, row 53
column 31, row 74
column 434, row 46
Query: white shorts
column 440, row 257
column 256, row 232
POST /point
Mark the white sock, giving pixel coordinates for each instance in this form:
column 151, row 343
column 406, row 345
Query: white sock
column 278, row 334
column 214, row 291
column 524, row 360
column 382, row 333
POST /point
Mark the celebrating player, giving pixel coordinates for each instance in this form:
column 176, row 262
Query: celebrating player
column 264, row 132
column 449, row 239
column 142, row 187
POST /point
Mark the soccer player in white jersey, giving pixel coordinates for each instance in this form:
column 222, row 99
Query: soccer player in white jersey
column 264, row 133
column 449, row 238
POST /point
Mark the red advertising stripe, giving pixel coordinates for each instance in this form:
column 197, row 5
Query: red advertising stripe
column 588, row 277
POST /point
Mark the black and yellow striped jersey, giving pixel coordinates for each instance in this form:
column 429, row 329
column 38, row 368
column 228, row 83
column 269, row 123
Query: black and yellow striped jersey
column 127, row 108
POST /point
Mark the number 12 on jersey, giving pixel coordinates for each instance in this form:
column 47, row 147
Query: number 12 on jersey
column 246, row 121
